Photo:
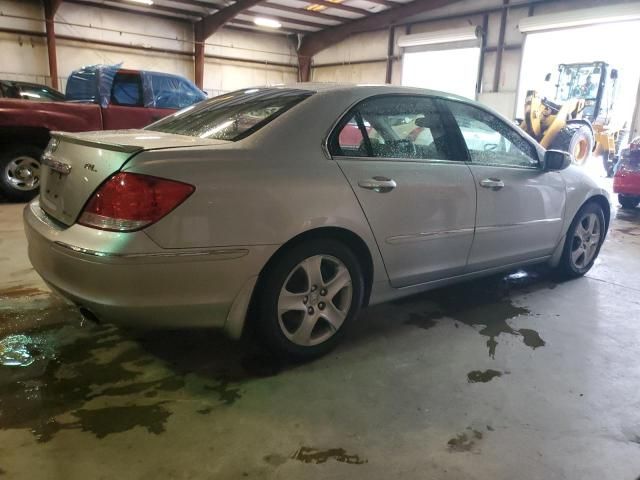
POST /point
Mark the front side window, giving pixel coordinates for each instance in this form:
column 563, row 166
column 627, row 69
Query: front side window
column 127, row 89
column 231, row 116
column 490, row 140
column 395, row 127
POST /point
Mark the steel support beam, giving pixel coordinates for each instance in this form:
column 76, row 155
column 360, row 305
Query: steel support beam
column 315, row 42
column 390, row 47
column 500, row 49
column 304, row 68
column 50, row 9
column 210, row 24
column 198, row 55
column 483, row 50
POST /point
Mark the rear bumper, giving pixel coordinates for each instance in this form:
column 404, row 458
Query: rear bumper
column 627, row 183
column 126, row 278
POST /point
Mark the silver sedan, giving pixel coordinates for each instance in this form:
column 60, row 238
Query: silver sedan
column 302, row 204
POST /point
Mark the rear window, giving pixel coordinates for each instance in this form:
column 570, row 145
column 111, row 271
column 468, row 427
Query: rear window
column 232, row 116
column 82, row 86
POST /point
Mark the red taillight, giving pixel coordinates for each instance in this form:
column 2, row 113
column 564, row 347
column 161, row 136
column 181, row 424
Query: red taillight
column 131, row 201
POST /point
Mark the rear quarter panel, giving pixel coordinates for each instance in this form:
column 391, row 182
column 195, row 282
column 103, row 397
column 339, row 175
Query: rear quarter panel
column 263, row 190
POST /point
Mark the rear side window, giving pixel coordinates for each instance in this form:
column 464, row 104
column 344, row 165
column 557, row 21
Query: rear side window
column 232, row 116
column 174, row 92
column 127, row 90
column 396, row 127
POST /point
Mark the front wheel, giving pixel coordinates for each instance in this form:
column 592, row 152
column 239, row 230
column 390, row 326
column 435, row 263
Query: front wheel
column 628, row 202
column 583, row 241
column 309, row 297
column 20, row 172
column 576, row 139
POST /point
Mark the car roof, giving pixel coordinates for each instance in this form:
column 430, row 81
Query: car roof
column 20, row 82
column 364, row 89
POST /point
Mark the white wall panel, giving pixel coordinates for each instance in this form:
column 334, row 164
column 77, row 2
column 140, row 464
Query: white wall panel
column 361, row 73
column 225, row 76
column 23, row 58
column 252, row 46
column 363, row 46
column 21, row 8
column 92, row 23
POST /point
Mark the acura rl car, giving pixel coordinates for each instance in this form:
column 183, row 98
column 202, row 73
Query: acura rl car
column 302, row 204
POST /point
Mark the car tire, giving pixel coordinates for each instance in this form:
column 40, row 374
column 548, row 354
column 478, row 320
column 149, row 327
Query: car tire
column 577, row 140
column 308, row 298
column 20, row 172
column 628, row 202
column 609, row 166
column 583, row 241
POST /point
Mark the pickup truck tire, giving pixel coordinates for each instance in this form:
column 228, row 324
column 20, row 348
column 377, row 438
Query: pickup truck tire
column 20, row 172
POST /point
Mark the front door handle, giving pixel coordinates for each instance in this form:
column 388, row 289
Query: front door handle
column 378, row 184
column 492, row 183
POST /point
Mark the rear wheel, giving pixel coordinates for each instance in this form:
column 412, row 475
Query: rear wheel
column 577, row 140
column 309, row 297
column 628, row 202
column 583, row 242
column 20, row 172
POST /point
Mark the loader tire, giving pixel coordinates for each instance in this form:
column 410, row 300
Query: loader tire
column 575, row 139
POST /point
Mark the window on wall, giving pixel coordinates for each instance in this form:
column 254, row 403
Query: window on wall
column 393, row 127
column 453, row 70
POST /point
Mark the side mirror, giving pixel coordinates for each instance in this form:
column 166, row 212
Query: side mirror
column 547, row 77
column 614, row 73
column 555, row 160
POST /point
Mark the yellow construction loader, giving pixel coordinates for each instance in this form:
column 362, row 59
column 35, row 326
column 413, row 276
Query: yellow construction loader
column 578, row 119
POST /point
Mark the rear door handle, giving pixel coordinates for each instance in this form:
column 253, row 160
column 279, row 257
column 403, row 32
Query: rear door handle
column 378, row 184
column 492, row 183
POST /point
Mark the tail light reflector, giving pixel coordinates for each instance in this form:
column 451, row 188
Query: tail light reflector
column 131, row 201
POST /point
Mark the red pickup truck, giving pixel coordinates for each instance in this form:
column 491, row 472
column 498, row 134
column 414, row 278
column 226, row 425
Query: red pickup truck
column 97, row 98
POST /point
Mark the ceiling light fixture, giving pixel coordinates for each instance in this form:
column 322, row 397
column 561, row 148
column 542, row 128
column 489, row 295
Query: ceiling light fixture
column 315, row 7
column 267, row 22
column 145, row 2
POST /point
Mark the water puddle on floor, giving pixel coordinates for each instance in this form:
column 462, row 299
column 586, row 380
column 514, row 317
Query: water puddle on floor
column 487, row 305
column 313, row 455
column 59, row 373
column 464, row 442
column 481, row 376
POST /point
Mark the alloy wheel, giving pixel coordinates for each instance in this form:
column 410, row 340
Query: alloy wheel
column 315, row 300
column 586, row 239
column 23, row 173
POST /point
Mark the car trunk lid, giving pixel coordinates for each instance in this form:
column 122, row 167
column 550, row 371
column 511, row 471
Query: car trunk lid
column 75, row 165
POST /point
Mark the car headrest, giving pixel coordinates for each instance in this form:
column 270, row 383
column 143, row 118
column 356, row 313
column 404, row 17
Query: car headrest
column 431, row 121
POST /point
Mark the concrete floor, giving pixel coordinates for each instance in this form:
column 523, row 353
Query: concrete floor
column 515, row 377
